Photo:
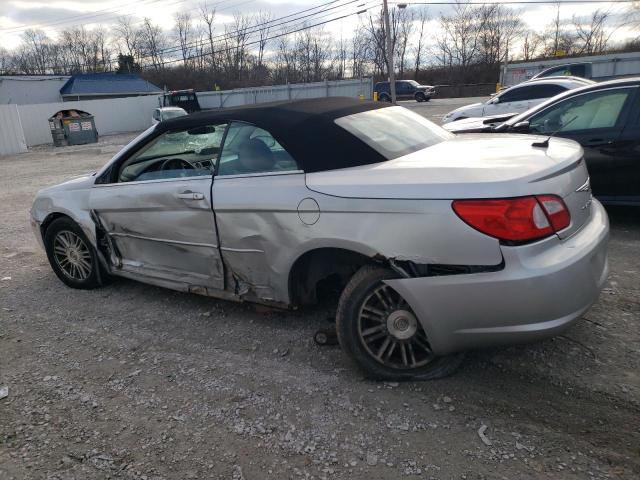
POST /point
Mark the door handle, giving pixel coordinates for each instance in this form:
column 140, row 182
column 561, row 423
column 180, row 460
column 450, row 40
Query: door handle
column 191, row 196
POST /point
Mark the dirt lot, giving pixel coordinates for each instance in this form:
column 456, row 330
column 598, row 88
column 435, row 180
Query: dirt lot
column 134, row 381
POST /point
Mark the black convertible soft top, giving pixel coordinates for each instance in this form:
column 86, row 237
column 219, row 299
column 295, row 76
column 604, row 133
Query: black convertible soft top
column 305, row 128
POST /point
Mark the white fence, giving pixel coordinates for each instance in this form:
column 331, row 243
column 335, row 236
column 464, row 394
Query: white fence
column 116, row 115
column 11, row 135
column 362, row 87
column 23, row 126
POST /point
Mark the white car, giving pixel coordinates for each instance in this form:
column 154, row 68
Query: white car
column 165, row 113
column 518, row 98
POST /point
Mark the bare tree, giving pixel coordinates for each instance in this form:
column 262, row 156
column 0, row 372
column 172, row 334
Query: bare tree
column 557, row 37
column 235, row 42
column 128, row 37
column 183, row 31
column 531, row 45
column 404, row 30
column 423, row 18
column 153, row 42
column 498, row 28
column 208, row 15
column 341, row 55
column 593, row 33
column 360, row 52
column 263, row 22
column 459, row 40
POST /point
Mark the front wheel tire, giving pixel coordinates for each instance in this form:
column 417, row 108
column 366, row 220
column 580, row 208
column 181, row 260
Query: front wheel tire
column 71, row 255
column 380, row 332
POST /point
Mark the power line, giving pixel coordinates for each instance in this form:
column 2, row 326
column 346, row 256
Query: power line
column 514, row 2
column 229, row 34
column 257, row 28
column 84, row 16
column 308, row 27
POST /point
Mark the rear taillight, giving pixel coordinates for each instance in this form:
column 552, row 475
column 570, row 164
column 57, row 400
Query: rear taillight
column 515, row 219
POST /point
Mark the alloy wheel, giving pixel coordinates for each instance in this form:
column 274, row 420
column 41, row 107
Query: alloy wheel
column 72, row 255
column 391, row 332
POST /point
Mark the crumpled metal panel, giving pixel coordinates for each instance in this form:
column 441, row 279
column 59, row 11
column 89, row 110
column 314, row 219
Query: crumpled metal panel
column 262, row 234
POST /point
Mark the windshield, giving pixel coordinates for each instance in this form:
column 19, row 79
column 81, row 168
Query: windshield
column 393, row 131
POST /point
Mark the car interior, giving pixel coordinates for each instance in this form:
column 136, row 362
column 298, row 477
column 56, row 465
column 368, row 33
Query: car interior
column 196, row 152
column 584, row 112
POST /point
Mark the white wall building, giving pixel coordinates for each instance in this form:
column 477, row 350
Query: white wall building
column 30, row 89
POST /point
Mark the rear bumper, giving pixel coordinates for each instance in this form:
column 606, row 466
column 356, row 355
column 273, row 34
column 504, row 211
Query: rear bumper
column 543, row 289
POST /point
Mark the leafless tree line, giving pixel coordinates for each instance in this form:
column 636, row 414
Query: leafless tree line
column 252, row 49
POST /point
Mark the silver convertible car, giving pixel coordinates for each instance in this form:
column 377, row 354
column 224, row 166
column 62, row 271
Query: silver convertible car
column 435, row 244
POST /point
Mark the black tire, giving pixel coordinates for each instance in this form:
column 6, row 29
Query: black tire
column 426, row 99
column 355, row 294
column 64, row 227
column 420, row 97
column 385, row 97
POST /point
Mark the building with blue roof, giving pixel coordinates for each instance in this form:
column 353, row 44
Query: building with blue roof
column 95, row 86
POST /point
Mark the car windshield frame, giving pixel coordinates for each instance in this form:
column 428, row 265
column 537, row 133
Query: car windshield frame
column 376, row 129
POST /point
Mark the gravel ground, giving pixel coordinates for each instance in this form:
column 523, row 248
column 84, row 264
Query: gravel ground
column 133, row 381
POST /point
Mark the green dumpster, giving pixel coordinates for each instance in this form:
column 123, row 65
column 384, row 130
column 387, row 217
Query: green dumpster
column 72, row 127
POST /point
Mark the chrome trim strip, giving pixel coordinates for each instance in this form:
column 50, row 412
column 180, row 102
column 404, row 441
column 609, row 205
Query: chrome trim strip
column 144, row 182
column 260, row 174
column 241, row 250
column 162, row 240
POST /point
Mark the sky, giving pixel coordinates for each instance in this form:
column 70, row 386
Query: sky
column 54, row 15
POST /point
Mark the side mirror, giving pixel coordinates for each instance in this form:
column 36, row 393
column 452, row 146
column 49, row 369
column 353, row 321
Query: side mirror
column 156, row 115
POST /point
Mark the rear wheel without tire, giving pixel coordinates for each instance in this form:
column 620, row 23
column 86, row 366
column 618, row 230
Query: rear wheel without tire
column 71, row 255
column 378, row 329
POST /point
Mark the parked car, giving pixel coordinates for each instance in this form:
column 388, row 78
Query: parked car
column 603, row 117
column 437, row 243
column 582, row 70
column 405, row 90
column 517, row 99
column 165, row 113
column 186, row 99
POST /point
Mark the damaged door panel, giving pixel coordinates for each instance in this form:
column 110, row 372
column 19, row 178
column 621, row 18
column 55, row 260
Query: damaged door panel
column 259, row 227
column 155, row 231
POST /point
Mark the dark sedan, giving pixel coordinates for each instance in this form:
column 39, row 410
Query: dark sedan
column 604, row 118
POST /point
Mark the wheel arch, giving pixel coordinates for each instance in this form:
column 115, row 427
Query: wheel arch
column 331, row 264
column 48, row 220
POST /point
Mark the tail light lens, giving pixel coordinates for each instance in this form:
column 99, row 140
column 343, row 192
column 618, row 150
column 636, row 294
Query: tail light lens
column 515, row 219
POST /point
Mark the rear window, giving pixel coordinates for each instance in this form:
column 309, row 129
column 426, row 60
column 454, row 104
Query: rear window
column 393, row 131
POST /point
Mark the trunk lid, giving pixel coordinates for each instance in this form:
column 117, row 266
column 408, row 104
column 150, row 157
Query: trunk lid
column 471, row 166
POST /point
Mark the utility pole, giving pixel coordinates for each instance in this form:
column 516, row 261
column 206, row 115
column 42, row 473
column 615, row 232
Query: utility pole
column 392, row 74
